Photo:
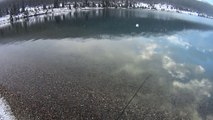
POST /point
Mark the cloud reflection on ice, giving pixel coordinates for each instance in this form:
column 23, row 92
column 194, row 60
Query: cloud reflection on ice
column 148, row 51
column 197, row 87
column 132, row 55
column 177, row 41
column 177, row 70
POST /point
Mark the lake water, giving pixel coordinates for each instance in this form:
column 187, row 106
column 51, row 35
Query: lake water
column 89, row 64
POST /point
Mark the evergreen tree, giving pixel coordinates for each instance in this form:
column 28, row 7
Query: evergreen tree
column 103, row 3
column 44, row 6
column 36, row 12
column 26, row 14
column 115, row 5
column 130, row 4
column 22, row 6
column 93, row 4
column 126, row 5
column 86, row 3
column 99, row 5
column 70, row 6
column 7, row 11
column 11, row 17
column 63, row 4
column 75, row 5
column 14, row 10
column 1, row 13
column 107, row 3
column 56, row 4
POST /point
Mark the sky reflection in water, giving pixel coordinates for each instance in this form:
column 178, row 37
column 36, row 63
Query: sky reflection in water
column 114, row 65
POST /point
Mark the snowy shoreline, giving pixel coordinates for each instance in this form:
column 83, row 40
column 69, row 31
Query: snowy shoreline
column 39, row 11
column 5, row 110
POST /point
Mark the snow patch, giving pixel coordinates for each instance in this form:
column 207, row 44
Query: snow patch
column 5, row 110
column 142, row 5
column 4, row 21
column 164, row 7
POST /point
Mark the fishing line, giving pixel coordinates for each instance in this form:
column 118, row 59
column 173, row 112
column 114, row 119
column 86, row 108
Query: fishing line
column 133, row 97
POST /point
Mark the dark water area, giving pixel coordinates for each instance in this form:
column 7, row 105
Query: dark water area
column 103, row 22
column 88, row 65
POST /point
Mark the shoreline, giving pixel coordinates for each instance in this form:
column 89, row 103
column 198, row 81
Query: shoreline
column 37, row 11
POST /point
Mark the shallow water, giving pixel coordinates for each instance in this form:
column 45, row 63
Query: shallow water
column 88, row 64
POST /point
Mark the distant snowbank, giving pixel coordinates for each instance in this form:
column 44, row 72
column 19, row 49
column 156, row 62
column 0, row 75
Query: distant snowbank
column 32, row 12
column 39, row 12
column 170, row 8
column 5, row 110
column 4, row 21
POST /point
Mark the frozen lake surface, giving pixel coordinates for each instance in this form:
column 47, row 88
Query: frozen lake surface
column 88, row 64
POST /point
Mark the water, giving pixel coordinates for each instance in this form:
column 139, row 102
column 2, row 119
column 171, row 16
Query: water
column 88, row 64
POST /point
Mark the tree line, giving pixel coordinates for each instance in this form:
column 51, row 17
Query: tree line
column 16, row 9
